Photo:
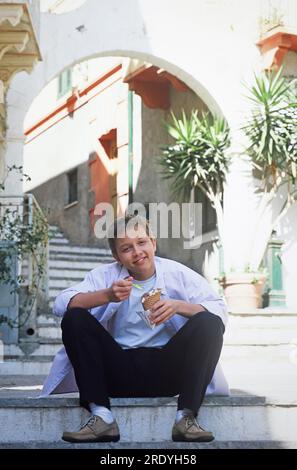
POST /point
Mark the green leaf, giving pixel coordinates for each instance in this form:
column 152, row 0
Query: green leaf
column 198, row 153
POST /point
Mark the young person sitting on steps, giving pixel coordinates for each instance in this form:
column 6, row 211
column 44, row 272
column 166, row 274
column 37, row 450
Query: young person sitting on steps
column 109, row 351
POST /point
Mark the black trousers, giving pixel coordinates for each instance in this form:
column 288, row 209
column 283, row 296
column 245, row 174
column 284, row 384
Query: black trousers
column 184, row 366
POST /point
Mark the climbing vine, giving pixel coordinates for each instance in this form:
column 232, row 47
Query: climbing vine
column 23, row 238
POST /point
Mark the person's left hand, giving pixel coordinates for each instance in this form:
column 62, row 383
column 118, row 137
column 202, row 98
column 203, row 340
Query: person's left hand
column 163, row 310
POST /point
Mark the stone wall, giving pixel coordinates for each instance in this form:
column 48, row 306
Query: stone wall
column 72, row 219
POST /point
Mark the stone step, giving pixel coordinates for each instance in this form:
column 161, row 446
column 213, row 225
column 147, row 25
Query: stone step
column 26, row 367
column 78, row 257
column 264, row 314
column 266, row 353
column 70, row 273
column 50, row 332
column 230, row 354
column 54, row 292
column 66, row 265
column 257, row 359
column 241, row 340
column 48, row 320
column 282, row 336
column 153, row 445
column 62, row 283
column 47, row 325
column 239, row 417
column 278, row 380
column 80, row 250
column 65, row 278
column 59, row 241
column 38, row 364
column 45, row 348
column 261, row 329
column 54, row 228
column 56, row 234
column 64, row 242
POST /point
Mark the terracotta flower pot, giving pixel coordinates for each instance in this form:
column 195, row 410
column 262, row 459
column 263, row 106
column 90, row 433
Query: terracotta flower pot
column 243, row 291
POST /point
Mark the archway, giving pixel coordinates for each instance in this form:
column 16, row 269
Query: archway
column 161, row 93
column 72, row 37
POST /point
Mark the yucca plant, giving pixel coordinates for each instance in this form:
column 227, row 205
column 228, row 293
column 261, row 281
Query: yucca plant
column 197, row 158
column 272, row 136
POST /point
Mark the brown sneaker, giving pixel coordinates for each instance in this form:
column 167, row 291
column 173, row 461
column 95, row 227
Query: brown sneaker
column 188, row 430
column 95, row 430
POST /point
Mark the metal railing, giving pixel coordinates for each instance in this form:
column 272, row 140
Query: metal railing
column 25, row 211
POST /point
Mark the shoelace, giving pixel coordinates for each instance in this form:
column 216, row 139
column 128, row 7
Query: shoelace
column 191, row 421
column 90, row 422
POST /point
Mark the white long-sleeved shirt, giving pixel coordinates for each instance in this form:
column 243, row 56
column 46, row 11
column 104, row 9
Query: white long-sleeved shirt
column 176, row 282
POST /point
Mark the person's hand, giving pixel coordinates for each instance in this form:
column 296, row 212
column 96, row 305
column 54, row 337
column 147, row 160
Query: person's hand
column 163, row 310
column 120, row 290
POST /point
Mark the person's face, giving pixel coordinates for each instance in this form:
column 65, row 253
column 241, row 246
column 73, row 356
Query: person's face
column 136, row 253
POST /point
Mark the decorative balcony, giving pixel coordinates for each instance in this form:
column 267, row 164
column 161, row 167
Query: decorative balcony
column 152, row 84
column 19, row 51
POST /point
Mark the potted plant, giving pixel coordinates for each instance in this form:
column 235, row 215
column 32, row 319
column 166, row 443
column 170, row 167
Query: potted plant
column 272, row 147
column 197, row 159
column 272, row 136
column 243, row 290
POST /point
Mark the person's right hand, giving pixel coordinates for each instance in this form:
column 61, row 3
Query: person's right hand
column 120, row 290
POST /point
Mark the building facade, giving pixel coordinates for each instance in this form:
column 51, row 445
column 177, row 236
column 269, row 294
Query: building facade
column 212, row 47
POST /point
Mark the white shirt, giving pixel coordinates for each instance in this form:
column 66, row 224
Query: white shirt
column 176, row 282
column 129, row 329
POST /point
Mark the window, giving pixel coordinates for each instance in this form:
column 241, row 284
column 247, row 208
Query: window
column 64, row 82
column 209, row 217
column 72, row 186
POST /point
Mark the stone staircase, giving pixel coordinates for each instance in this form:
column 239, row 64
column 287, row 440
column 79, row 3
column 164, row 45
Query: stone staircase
column 68, row 265
column 239, row 421
column 261, row 411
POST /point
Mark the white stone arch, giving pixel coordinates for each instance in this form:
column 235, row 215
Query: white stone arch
column 158, row 61
column 70, row 38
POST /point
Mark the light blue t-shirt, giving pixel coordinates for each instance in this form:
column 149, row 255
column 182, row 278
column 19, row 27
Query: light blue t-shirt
column 129, row 330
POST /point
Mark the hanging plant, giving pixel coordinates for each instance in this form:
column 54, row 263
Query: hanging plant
column 23, row 235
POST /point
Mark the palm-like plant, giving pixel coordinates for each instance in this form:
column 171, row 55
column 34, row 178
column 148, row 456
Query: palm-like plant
column 197, row 158
column 272, row 134
column 272, row 128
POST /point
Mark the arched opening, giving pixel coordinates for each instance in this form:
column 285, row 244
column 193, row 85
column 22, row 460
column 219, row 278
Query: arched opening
column 81, row 131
